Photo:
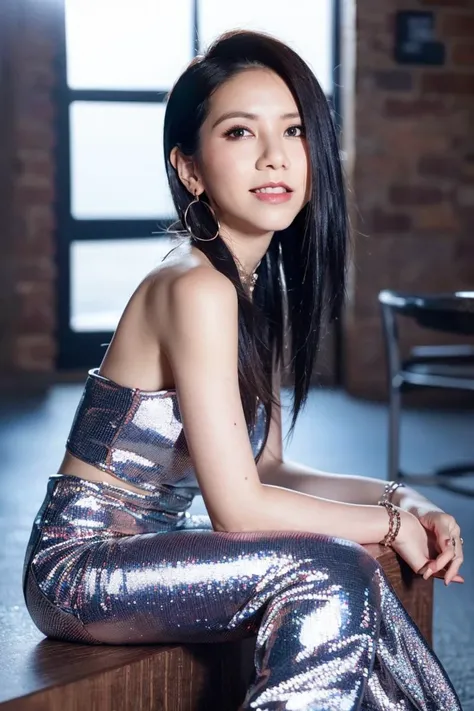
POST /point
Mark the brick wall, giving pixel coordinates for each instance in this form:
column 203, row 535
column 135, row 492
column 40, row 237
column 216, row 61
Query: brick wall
column 410, row 144
column 27, row 268
column 410, row 148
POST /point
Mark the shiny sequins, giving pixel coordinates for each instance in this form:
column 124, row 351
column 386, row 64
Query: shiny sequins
column 331, row 633
column 137, row 435
column 106, row 565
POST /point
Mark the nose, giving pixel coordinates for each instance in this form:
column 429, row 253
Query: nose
column 273, row 155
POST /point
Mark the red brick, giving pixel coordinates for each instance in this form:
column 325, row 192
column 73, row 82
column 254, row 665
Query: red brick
column 35, row 194
column 412, row 139
column 37, row 46
column 27, row 291
column 34, row 159
column 41, row 246
column 36, row 309
column 413, row 195
column 42, row 17
column 413, row 108
column 438, row 166
column 447, row 83
column 440, row 219
column 393, row 80
column 35, row 269
column 37, row 75
column 36, row 104
column 35, row 168
column 421, row 138
column 40, row 218
column 34, row 229
column 32, row 133
column 35, row 353
column 35, row 261
column 458, row 25
column 389, row 222
column 463, row 53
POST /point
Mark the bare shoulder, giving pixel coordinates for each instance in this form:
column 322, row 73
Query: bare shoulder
column 198, row 287
column 196, row 317
column 184, row 294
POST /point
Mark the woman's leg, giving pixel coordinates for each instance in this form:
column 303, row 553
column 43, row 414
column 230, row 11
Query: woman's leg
column 332, row 634
column 312, row 600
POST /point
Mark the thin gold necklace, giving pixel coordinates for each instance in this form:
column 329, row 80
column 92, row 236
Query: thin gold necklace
column 248, row 279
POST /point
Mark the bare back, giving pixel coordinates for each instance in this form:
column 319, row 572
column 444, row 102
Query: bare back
column 135, row 357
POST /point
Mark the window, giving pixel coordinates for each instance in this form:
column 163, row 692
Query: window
column 305, row 25
column 117, row 166
column 127, row 45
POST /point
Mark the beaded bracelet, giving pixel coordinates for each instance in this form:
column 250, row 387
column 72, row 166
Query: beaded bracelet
column 394, row 523
column 389, row 491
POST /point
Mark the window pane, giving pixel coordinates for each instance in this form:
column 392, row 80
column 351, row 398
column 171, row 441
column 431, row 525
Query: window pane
column 105, row 273
column 117, row 166
column 306, row 25
column 125, row 44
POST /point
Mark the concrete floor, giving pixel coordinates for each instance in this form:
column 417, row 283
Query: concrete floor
column 334, row 433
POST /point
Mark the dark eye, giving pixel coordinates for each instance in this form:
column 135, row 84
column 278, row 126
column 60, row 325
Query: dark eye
column 236, row 132
column 295, row 131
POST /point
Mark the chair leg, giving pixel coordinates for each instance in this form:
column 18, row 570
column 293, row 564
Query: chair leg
column 394, row 413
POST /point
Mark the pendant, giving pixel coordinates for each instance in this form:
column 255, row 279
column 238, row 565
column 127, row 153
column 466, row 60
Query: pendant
column 253, row 282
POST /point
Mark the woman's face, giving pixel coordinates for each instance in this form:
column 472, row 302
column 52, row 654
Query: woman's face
column 252, row 138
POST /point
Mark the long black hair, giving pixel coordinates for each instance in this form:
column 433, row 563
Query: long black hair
column 303, row 272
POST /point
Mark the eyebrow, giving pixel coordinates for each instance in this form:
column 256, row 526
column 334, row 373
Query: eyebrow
column 251, row 117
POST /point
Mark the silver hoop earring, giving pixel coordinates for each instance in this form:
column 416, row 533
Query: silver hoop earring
column 185, row 219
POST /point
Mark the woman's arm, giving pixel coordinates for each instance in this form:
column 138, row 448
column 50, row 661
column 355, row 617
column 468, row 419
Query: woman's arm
column 347, row 488
column 200, row 338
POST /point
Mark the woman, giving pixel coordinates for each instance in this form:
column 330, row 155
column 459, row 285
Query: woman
column 187, row 400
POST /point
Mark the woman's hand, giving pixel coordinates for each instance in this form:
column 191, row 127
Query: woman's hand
column 417, row 543
column 412, row 543
column 445, row 558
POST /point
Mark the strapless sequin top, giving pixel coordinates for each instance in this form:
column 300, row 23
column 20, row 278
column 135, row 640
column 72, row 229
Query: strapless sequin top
column 138, row 435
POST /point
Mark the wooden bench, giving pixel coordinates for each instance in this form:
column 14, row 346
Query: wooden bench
column 37, row 674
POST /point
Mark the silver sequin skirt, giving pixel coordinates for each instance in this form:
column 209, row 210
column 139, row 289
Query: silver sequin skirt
column 107, row 566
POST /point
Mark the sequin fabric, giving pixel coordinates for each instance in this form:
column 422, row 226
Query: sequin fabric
column 137, row 435
column 116, row 567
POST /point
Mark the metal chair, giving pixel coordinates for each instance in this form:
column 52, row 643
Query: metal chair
column 427, row 366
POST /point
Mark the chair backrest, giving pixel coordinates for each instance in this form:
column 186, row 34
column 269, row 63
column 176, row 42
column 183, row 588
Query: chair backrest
column 452, row 313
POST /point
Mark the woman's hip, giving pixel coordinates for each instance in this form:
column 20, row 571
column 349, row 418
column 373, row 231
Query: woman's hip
column 94, row 559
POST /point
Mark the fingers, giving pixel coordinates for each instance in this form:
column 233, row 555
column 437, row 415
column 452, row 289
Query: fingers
column 451, row 559
column 448, row 557
column 458, row 579
column 439, row 563
column 442, row 573
column 456, row 563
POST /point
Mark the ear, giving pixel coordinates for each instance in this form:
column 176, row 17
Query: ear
column 187, row 171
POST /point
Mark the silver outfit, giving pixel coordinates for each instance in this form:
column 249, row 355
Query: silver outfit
column 108, row 566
